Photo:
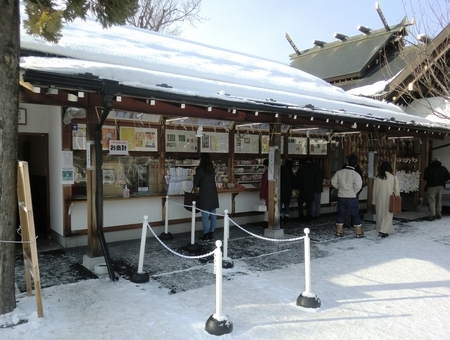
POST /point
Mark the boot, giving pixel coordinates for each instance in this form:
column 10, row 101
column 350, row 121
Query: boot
column 339, row 230
column 210, row 236
column 358, row 231
column 205, row 237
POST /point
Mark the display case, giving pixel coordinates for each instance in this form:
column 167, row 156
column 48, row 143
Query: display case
column 179, row 174
column 138, row 173
column 248, row 173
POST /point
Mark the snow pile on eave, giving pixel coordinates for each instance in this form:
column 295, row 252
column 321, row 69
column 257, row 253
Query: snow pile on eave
column 142, row 59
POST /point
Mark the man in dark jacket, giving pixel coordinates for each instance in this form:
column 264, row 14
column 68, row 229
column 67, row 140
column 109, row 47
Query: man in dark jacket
column 305, row 176
column 287, row 181
column 436, row 175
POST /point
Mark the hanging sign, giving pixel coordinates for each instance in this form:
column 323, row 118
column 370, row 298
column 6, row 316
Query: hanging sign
column 118, row 147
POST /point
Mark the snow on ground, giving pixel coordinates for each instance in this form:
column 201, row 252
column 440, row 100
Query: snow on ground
column 370, row 288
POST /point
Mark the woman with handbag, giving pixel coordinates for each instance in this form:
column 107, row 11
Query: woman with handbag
column 205, row 181
column 384, row 185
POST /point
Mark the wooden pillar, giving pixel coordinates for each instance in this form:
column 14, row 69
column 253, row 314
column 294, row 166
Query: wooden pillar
column 273, row 207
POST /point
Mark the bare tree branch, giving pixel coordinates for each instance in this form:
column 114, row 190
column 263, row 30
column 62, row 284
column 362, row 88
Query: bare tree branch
column 166, row 15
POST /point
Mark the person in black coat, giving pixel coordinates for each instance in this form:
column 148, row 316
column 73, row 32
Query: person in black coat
column 318, row 189
column 205, row 183
column 287, row 181
column 305, row 185
column 436, row 176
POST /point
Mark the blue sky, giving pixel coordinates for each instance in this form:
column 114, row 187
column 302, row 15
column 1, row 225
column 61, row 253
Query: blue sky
column 258, row 27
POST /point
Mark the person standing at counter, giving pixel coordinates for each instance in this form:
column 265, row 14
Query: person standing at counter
column 349, row 183
column 287, row 181
column 205, row 183
column 383, row 186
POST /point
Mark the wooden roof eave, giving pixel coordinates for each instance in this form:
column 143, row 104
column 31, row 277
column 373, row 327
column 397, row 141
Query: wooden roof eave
column 399, row 85
column 168, row 103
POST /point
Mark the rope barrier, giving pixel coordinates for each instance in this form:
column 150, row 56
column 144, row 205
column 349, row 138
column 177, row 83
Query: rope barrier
column 174, row 252
column 267, row 238
column 21, row 242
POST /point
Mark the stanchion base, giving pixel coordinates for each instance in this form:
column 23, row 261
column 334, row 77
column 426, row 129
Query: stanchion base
column 308, row 302
column 139, row 277
column 192, row 247
column 227, row 263
column 216, row 327
column 166, row 236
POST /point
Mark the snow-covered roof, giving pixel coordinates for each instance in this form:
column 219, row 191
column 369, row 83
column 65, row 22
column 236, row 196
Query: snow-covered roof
column 144, row 59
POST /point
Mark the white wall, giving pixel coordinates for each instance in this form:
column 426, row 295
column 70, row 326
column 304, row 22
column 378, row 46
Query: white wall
column 47, row 119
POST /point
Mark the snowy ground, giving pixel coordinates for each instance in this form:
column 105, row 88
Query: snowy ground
column 370, row 288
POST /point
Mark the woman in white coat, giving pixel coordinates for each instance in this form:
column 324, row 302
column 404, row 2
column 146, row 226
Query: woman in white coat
column 383, row 186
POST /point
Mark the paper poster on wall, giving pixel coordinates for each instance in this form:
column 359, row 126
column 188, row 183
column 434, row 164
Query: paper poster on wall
column 140, row 139
column 214, row 142
column 108, row 133
column 78, row 136
column 265, row 143
column 297, row 146
column 67, row 175
column 181, row 141
column 317, row 146
column 245, row 143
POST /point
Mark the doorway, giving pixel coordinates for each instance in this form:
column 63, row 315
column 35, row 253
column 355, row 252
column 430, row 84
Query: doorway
column 33, row 148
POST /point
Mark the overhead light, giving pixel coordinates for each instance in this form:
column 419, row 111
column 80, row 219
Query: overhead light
column 234, row 111
column 72, row 98
column 209, row 108
column 327, row 120
column 256, row 113
column 36, row 89
column 118, row 98
column 150, row 101
column 295, row 116
column 183, row 105
column 312, row 118
column 354, row 126
column 80, row 94
column 276, row 115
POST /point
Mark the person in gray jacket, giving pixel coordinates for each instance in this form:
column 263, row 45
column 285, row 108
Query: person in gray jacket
column 348, row 183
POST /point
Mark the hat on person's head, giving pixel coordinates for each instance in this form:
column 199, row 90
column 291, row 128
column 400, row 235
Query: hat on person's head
column 352, row 159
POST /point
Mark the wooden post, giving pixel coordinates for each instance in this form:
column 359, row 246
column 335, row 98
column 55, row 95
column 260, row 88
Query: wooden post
column 273, row 207
column 30, row 257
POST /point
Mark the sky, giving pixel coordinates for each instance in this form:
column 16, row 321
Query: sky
column 370, row 288
column 258, row 27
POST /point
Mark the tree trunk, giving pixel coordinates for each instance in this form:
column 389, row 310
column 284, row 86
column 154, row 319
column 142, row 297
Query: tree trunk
column 9, row 109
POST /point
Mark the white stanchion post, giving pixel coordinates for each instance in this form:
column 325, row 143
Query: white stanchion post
column 166, row 222
column 192, row 247
column 218, row 270
column 218, row 324
column 193, row 223
column 226, row 262
column 166, row 235
column 140, row 276
column 307, row 298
